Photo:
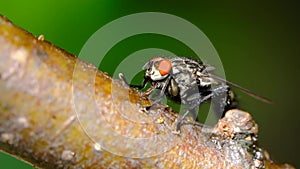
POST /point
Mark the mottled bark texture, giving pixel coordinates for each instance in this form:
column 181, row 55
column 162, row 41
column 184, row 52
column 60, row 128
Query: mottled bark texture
column 59, row 112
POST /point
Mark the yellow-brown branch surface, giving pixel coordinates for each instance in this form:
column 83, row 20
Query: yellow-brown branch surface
column 59, row 112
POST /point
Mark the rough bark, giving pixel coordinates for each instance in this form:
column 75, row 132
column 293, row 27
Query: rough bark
column 59, row 112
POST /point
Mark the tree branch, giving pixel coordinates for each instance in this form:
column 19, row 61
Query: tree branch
column 59, row 112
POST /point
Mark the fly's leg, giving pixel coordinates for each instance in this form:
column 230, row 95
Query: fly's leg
column 141, row 86
column 179, row 123
column 161, row 93
column 192, row 110
column 223, row 100
column 222, row 97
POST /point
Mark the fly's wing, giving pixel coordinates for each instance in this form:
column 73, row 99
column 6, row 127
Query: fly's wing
column 247, row 91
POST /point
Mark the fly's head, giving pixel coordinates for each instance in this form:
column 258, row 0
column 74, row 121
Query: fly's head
column 158, row 68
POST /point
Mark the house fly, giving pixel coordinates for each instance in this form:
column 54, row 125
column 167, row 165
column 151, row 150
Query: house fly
column 189, row 82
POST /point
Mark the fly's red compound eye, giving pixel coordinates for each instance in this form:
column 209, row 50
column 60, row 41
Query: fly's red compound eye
column 164, row 67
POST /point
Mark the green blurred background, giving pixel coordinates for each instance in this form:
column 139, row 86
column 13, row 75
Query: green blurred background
column 257, row 41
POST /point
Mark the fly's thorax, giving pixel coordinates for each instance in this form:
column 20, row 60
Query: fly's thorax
column 207, row 81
